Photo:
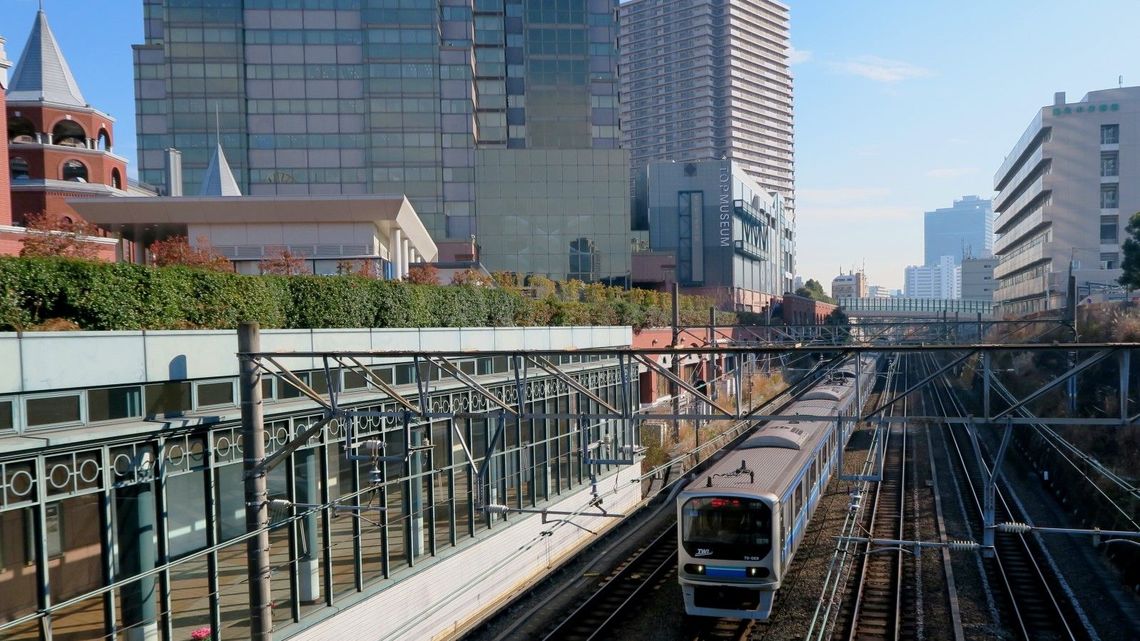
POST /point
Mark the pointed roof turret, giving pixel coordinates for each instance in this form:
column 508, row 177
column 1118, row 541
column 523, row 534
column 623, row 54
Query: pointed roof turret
column 42, row 74
column 219, row 180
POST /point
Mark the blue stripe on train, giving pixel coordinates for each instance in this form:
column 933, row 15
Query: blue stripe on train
column 724, row 572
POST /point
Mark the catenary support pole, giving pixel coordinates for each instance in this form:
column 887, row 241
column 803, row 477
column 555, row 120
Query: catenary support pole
column 673, row 387
column 256, row 489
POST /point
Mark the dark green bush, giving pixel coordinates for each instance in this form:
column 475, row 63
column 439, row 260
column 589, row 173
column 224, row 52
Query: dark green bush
column 124, row 296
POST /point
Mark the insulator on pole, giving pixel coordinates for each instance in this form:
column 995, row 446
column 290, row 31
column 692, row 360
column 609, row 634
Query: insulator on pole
column 1015, row 527
column 963, row 546
column 496, row 509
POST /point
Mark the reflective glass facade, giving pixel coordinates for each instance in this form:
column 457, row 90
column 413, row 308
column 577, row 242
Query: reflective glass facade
column 964, row 230
column 375, row 96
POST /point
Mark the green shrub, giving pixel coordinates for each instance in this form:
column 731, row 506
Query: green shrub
column 124, row 296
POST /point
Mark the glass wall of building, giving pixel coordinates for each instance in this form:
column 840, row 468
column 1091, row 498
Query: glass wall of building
column 147, row 531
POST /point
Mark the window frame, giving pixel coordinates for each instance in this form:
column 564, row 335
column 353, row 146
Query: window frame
column 81, row 395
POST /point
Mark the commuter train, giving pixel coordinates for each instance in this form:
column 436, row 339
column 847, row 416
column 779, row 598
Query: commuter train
column 739, row 522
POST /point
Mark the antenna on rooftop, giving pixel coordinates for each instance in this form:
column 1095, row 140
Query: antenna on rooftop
column 1119, row 79
column 218, row 124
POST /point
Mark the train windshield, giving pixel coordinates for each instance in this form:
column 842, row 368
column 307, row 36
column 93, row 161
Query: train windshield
column 726, row 528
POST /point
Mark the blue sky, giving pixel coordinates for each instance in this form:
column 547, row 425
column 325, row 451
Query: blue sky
column 901, row 105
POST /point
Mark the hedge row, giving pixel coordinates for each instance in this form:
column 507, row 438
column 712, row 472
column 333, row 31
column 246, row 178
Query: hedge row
column 123, row 296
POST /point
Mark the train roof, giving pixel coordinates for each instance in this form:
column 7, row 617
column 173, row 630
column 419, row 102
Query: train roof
column 786, row 435
column 764, row 469
column 827, row 393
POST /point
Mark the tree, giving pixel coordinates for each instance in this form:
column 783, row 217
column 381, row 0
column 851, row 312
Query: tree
column 1131, row 263
column 364, row 268
column 423, row 274
column 177, row 250
column 813, row 290
column 840, row 321
column 472, row 277
column 53, row 234
column 506, row 280
column 283, row 262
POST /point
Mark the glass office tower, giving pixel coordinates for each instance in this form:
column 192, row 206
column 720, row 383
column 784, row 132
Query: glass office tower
column 396, row 96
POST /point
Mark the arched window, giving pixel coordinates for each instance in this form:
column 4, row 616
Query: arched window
column 69, row 134
column 19, row 168
column 104, row 140
column 116, row 179
column 21, row 130
column 74, row 171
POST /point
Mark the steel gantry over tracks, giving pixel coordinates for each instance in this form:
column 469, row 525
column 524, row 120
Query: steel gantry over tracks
column 618, row 444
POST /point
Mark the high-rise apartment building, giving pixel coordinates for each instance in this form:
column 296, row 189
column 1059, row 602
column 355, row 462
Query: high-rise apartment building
column 709, row 79
column 964, row 230
column 496, row 118
column 941, row 280
column 1065, row 192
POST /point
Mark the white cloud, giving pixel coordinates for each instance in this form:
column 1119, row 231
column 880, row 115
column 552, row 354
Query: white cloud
column 881, row 69
column 798, row 56
column 951, row 172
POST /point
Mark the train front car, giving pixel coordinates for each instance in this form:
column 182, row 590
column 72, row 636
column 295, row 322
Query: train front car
column 728, row 565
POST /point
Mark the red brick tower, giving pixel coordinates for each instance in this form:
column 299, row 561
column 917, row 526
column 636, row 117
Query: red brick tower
column 5, row 189
column 59, row 147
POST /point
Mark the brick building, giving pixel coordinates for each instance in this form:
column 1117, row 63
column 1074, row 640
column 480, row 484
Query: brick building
column 59, row 146
column 800, row 310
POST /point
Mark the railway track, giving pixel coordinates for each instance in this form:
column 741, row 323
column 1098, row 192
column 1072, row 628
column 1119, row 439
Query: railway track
column 1033, row 609
column 595, row 615
column 876, row 611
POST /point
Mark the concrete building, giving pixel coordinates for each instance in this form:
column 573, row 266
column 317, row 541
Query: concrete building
column 1065, row 192
column 437, row 101
column 709, row 79
column 850, row 285
column 378, row 234
column 964, row 230
column 942, row 280
column 723, row 234
column 138, row 435
column 878, row 291
column 978, row 278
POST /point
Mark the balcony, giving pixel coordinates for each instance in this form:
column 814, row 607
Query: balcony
column 1015, row 234
column 1024, row 258
column 1034, row 191
column 1034, row 130
column 1032, row 162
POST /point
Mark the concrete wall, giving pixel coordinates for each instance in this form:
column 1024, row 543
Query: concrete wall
column 41, row 361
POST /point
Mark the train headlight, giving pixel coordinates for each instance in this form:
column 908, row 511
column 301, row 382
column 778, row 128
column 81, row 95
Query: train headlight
column 694, row 568
column 757, row 573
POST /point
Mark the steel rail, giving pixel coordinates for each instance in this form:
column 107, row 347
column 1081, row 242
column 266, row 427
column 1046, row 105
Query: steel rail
column 868, row 589
column 1019, row 600
column 838, row 568
column 665, row 542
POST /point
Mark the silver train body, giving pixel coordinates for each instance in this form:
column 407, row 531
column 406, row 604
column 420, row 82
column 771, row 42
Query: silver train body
column 740, row 521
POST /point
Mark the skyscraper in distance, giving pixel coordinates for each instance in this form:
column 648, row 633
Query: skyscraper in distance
column 964, row 230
